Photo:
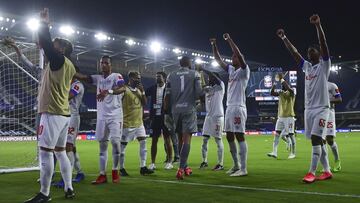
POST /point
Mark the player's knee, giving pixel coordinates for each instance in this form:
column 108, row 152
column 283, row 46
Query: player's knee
column 316, row 140
column 230, row 137
column 330, row 140
column 69, row 147
column 278, row 133
column 141, row 138
column 240, row 137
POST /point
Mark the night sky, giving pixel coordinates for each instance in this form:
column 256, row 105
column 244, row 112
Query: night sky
column 252, row 24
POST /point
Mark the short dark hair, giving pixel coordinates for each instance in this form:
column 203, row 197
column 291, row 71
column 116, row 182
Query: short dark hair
column 132, row 74
column 315, row 46
column 184, row 61
column 107, row 57
column 66, row 45
column 163, row 74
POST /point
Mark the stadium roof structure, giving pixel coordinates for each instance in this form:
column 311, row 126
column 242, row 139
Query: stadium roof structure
column 90, row 45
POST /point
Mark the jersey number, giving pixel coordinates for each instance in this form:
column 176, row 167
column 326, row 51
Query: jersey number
column 182, row 81
column 237, row 120
column 330, row 125
column 40, row 129
column 71, row 130
column 322, row 122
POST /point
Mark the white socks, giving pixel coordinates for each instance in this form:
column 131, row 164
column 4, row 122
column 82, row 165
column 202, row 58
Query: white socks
column 243, row 155
column 65, row 168
column 142, row 152
column 103, row 156
column 315, row 156
column 122, row 155
column 234, row 154
column 204, row 148
column 46, row 170
column 334, row 149
column 71, row 157
column 324, row 158
column 115, row 154
column 276, row 143
column 220, row 151
column 77, row 165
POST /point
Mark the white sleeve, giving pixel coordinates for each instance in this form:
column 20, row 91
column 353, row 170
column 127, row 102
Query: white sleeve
column 230, row 69
column 325, row 65
column 306, row 65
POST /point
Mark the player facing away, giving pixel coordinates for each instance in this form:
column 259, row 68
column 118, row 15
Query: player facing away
column 183, row 88
column 285, row 123
column 109, row 88
column 236, row 113
column 214, row 120
column 133, row 101
column 335, row 98
column 53, row 104
column 316, row 97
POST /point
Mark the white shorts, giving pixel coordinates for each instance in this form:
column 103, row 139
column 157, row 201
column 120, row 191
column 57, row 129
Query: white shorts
column 52, row 131
column 331, row 125
column 73, row 129
column 130, row 134
column 109, row 129
column 315, row 121
column 235, row 119
column 213, row 126
column 285, row 125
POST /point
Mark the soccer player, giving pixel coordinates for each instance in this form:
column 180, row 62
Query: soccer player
column 53, row 104
column 285, row 123
column 236, row 114
column 133, row 101
column 335, row 98
column 316, row 97
column 183, row 88
column 110, row 87
column 214, row 120
column 156, row 94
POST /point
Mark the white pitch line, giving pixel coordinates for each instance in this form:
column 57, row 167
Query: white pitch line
column 244, row 187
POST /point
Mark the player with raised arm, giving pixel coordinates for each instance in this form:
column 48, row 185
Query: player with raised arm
column 236, row 112
column 53, row 104
column 285, row 123
column 133, row 101
column 316, row 97
column 214, row 120
column 183, row 88
column 335, row 98
column 110, row 87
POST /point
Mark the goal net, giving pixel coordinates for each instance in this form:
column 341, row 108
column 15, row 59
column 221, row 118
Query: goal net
column 18, row 99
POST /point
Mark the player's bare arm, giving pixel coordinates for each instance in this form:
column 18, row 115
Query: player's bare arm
column 235, row 49
column 83, row 78
column 217, row 54
column 324, row 50
column 293, row 51
column 336, row 100
column 142, row 95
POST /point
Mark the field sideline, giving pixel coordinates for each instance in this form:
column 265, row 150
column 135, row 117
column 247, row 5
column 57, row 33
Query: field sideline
column 269, row 180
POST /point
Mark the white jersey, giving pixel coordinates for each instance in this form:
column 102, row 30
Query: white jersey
column 333, row 92
column 316, row 84
column 77, row 89
column 214, row 100
column 111, row 106
column 238, row 80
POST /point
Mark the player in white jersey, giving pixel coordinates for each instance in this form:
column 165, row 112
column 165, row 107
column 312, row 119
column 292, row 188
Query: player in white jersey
column 110, row 87
column 214, row 120
column 335, row 98
column 316, row 97
column 236, row 113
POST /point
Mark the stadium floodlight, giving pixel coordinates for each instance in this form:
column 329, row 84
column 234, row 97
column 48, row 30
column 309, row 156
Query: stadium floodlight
column 13, row 21
column 214, row 63
column 7, row 19
column 179, row 57
column 33, row 24
column 155, row 46
column 176, row 50
column 66, row 30
column 199, row 61
column 101, row 36
column 130, row 42
column 1, row 18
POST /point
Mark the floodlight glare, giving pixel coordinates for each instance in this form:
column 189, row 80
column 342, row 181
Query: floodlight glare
column 130, row 42
column 199, row 61
column 67, row 30
column 155, row 47
column 101, row 36
column 214, row 64
column 176, row 50
column 33, row 24
column 1, row 18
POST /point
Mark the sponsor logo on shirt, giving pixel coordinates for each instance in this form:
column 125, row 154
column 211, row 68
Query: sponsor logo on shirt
column 310, row 77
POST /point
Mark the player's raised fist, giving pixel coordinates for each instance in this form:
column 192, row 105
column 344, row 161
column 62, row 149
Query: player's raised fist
column 280, row 33
column 315, row 19
column 44, row 15
column 212, row 41
column 226, row 36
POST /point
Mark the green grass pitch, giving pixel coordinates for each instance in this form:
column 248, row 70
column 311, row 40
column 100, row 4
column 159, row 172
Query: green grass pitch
column 269, row 180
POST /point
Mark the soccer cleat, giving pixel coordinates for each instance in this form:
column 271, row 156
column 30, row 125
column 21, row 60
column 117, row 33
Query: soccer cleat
column 100, row 180
column 291, row 156
column 59, row 184
column 145, row 171
column 188, row 171
column 69, row 194
column 203, row 165
column 309, row 178
column 176, row 160
column 168, row 166
column 218, row 167
column 115, row 176
column 239, row 173
column 272, row 154
column 79, row 177
column 232, row 170
column 180, row 174
column 123, row 172
column 324, row 176
column 39, row 198
column 152, row 166
column 337, row 167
